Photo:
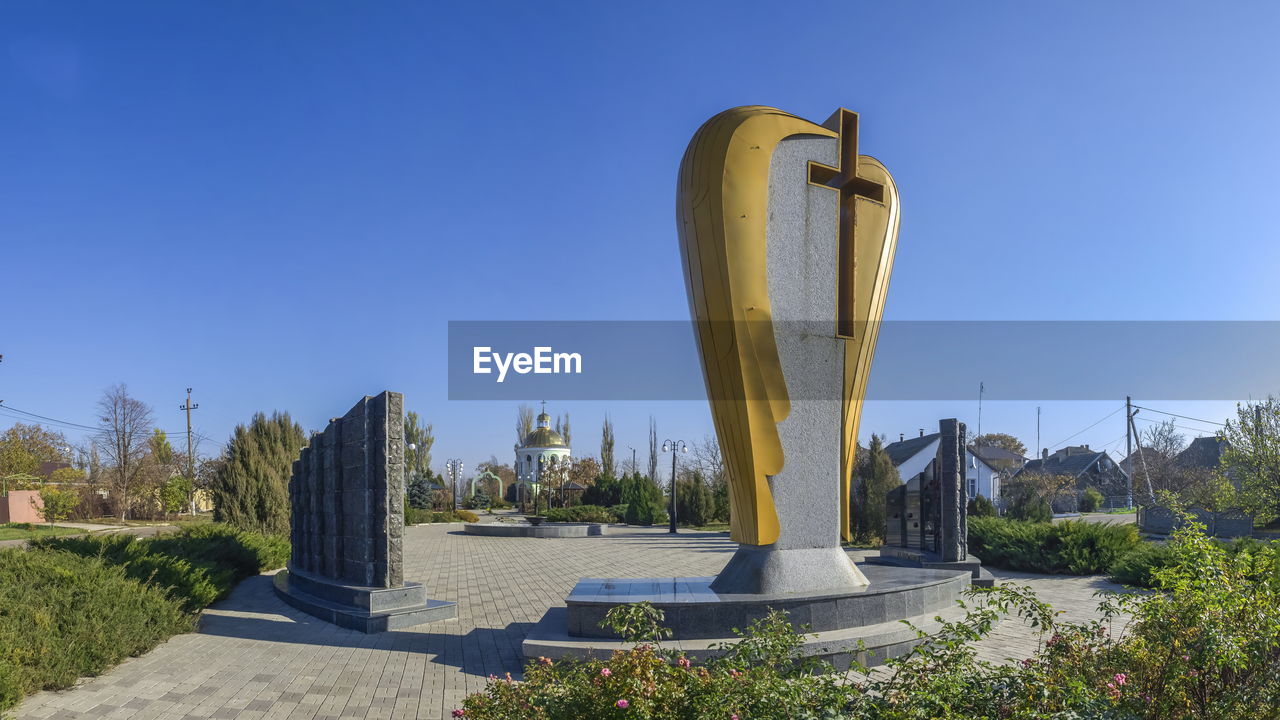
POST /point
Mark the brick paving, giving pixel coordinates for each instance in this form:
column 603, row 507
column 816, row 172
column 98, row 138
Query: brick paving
column 255, row 657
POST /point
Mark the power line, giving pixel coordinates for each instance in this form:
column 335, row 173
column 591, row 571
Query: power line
column 66, row 424
column 1180, row 427
column 1099, row 422
column 1184, row 417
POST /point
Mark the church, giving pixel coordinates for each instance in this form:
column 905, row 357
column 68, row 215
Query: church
column 540, row 450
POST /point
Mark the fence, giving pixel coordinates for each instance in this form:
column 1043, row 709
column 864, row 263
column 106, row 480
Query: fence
column 1160, row 520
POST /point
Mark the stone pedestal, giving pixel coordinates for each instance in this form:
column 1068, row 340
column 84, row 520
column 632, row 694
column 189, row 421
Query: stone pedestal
column 862, row 625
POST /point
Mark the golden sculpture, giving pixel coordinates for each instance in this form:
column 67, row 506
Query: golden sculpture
column 722, row 213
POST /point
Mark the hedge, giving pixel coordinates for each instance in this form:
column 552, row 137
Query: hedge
column 71, row 607
column 417, row 516
column 1072, row 547
column 197, row 565
column 582, row 514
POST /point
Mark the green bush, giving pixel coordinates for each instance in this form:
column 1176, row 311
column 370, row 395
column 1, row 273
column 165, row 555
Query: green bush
column 1091, row 500
column 582, row 514
column 64, row 616
column 981, row 507
column 1140, row 566
column 1073, row 547
column 1137, row 567
column 197, row 565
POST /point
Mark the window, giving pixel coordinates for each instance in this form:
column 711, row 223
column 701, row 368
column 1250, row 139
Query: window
column 973, row 488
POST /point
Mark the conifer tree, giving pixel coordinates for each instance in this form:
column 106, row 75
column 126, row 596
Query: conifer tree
column 875, row 476
column 251, row 491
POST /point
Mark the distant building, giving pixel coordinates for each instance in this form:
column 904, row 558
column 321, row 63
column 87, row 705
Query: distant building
column 541, row 449
column 1203, row 452
column 1089, row 468
column 982, row 477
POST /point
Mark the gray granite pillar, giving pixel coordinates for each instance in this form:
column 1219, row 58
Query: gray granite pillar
column 803, row 274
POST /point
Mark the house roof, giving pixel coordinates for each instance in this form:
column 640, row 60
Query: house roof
column 991, row 453
column 1063, row 463
column 1203, row 452
column 903, row 450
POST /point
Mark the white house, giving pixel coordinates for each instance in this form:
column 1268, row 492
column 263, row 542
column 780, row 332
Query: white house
column 541, row 449
column 912, row 455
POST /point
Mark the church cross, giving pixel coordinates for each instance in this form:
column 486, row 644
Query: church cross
column 845, row 180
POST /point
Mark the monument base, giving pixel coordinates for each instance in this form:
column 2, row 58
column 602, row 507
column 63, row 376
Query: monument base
column 367, row 609
column 910, row 557
column 765, row 570
column 845, row 625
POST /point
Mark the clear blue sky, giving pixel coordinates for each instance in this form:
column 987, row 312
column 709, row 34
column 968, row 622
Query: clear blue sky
column 282, row 204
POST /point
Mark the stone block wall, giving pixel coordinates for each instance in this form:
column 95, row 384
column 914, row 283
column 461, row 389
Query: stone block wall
column 347, row 497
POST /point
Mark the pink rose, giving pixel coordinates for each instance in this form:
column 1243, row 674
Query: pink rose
column 683, row 662
column 1120, row 678
column 459, row 712
column 605, row 672
column 623, row 704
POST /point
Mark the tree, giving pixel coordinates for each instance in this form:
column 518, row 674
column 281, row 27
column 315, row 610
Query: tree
column 607, row 462
column 1251, row 457
column 58, row 504
column 422, row 489
column 417, row 459
column 643, row 500
column 174, row 494
column 584, row 471
column 694, row 502
column 1004, row 441
column 874, row 476
column 653, row 450
column 524, row 422
column 124, row 426
column 1031, row 494
column 565, row 432
column 1152, row 465
column 23, row 448
column 251, row 491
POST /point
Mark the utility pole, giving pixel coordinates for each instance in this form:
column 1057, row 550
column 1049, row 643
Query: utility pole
column 634, row 468
column 1132, row 432
column 1128, row 441
column 982, row 387
column 1037, row 431
column 191, row 458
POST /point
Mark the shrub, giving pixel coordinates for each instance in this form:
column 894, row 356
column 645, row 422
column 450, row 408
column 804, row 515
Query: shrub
column 1091, row 500
column 981, row 507
column 1137, row 566
column 197, row 565
column 1073, row 547
column 582, row 513
column 63, row 616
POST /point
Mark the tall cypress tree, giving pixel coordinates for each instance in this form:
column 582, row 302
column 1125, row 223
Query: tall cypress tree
column 251, row 490
column 875, row 477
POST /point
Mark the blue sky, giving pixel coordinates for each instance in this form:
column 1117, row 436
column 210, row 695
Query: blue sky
column 283, row 204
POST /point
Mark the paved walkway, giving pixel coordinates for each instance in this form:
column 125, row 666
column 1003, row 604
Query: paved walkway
column 255, row 657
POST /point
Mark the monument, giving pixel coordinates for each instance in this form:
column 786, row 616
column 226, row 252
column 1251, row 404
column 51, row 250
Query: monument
column 927, row 516
column 787, row 236
column 346, row 499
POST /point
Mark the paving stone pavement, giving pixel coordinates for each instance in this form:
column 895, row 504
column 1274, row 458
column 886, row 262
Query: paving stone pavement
column 255, row 657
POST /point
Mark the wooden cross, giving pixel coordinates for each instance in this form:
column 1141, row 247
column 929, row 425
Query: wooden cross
column 845, row 180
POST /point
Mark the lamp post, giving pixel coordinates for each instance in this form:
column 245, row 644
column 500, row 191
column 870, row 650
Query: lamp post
column 454, row 468
column 675, row 447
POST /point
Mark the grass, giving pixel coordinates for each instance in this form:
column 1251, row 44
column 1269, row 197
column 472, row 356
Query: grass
column 709, row 527
column 30, row 531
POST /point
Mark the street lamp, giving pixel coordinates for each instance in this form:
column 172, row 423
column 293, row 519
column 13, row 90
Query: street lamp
column 454, row 468
column 674, row 447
